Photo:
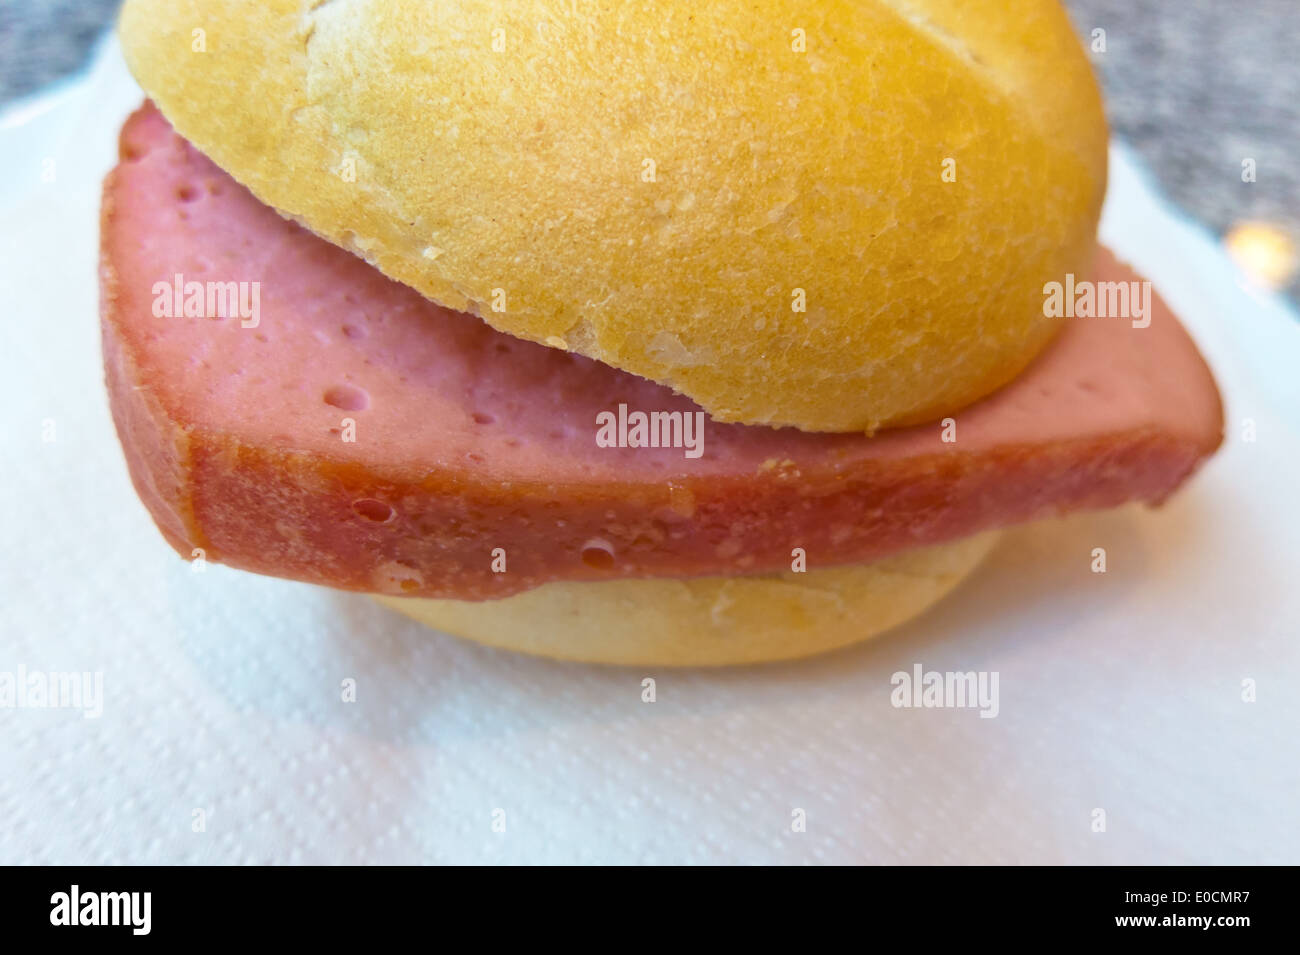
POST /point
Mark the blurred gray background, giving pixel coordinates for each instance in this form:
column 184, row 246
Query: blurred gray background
column 1195, row 85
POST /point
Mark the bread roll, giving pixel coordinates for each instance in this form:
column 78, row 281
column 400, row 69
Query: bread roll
column 663, row 186
column 711, row 621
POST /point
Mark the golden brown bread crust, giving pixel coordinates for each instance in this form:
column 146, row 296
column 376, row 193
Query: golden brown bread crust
column 711, row 621
column 518, row 177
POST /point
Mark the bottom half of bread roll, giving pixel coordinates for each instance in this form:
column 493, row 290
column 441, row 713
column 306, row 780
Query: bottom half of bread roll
column 709, row 621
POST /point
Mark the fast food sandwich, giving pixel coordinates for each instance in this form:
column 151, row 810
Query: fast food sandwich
column 655, row 333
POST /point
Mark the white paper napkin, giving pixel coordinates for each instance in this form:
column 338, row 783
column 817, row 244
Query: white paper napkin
column 223, row 736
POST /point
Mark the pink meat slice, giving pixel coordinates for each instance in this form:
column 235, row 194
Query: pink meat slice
column 364, row 438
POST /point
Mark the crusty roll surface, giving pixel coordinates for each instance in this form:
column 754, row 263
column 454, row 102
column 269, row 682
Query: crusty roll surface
column 663, row 186
column 711, row 621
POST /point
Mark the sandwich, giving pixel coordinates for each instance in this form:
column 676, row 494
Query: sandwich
column 660, row 334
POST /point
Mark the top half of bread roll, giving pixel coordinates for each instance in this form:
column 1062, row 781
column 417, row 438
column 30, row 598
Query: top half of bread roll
column 836, row 215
